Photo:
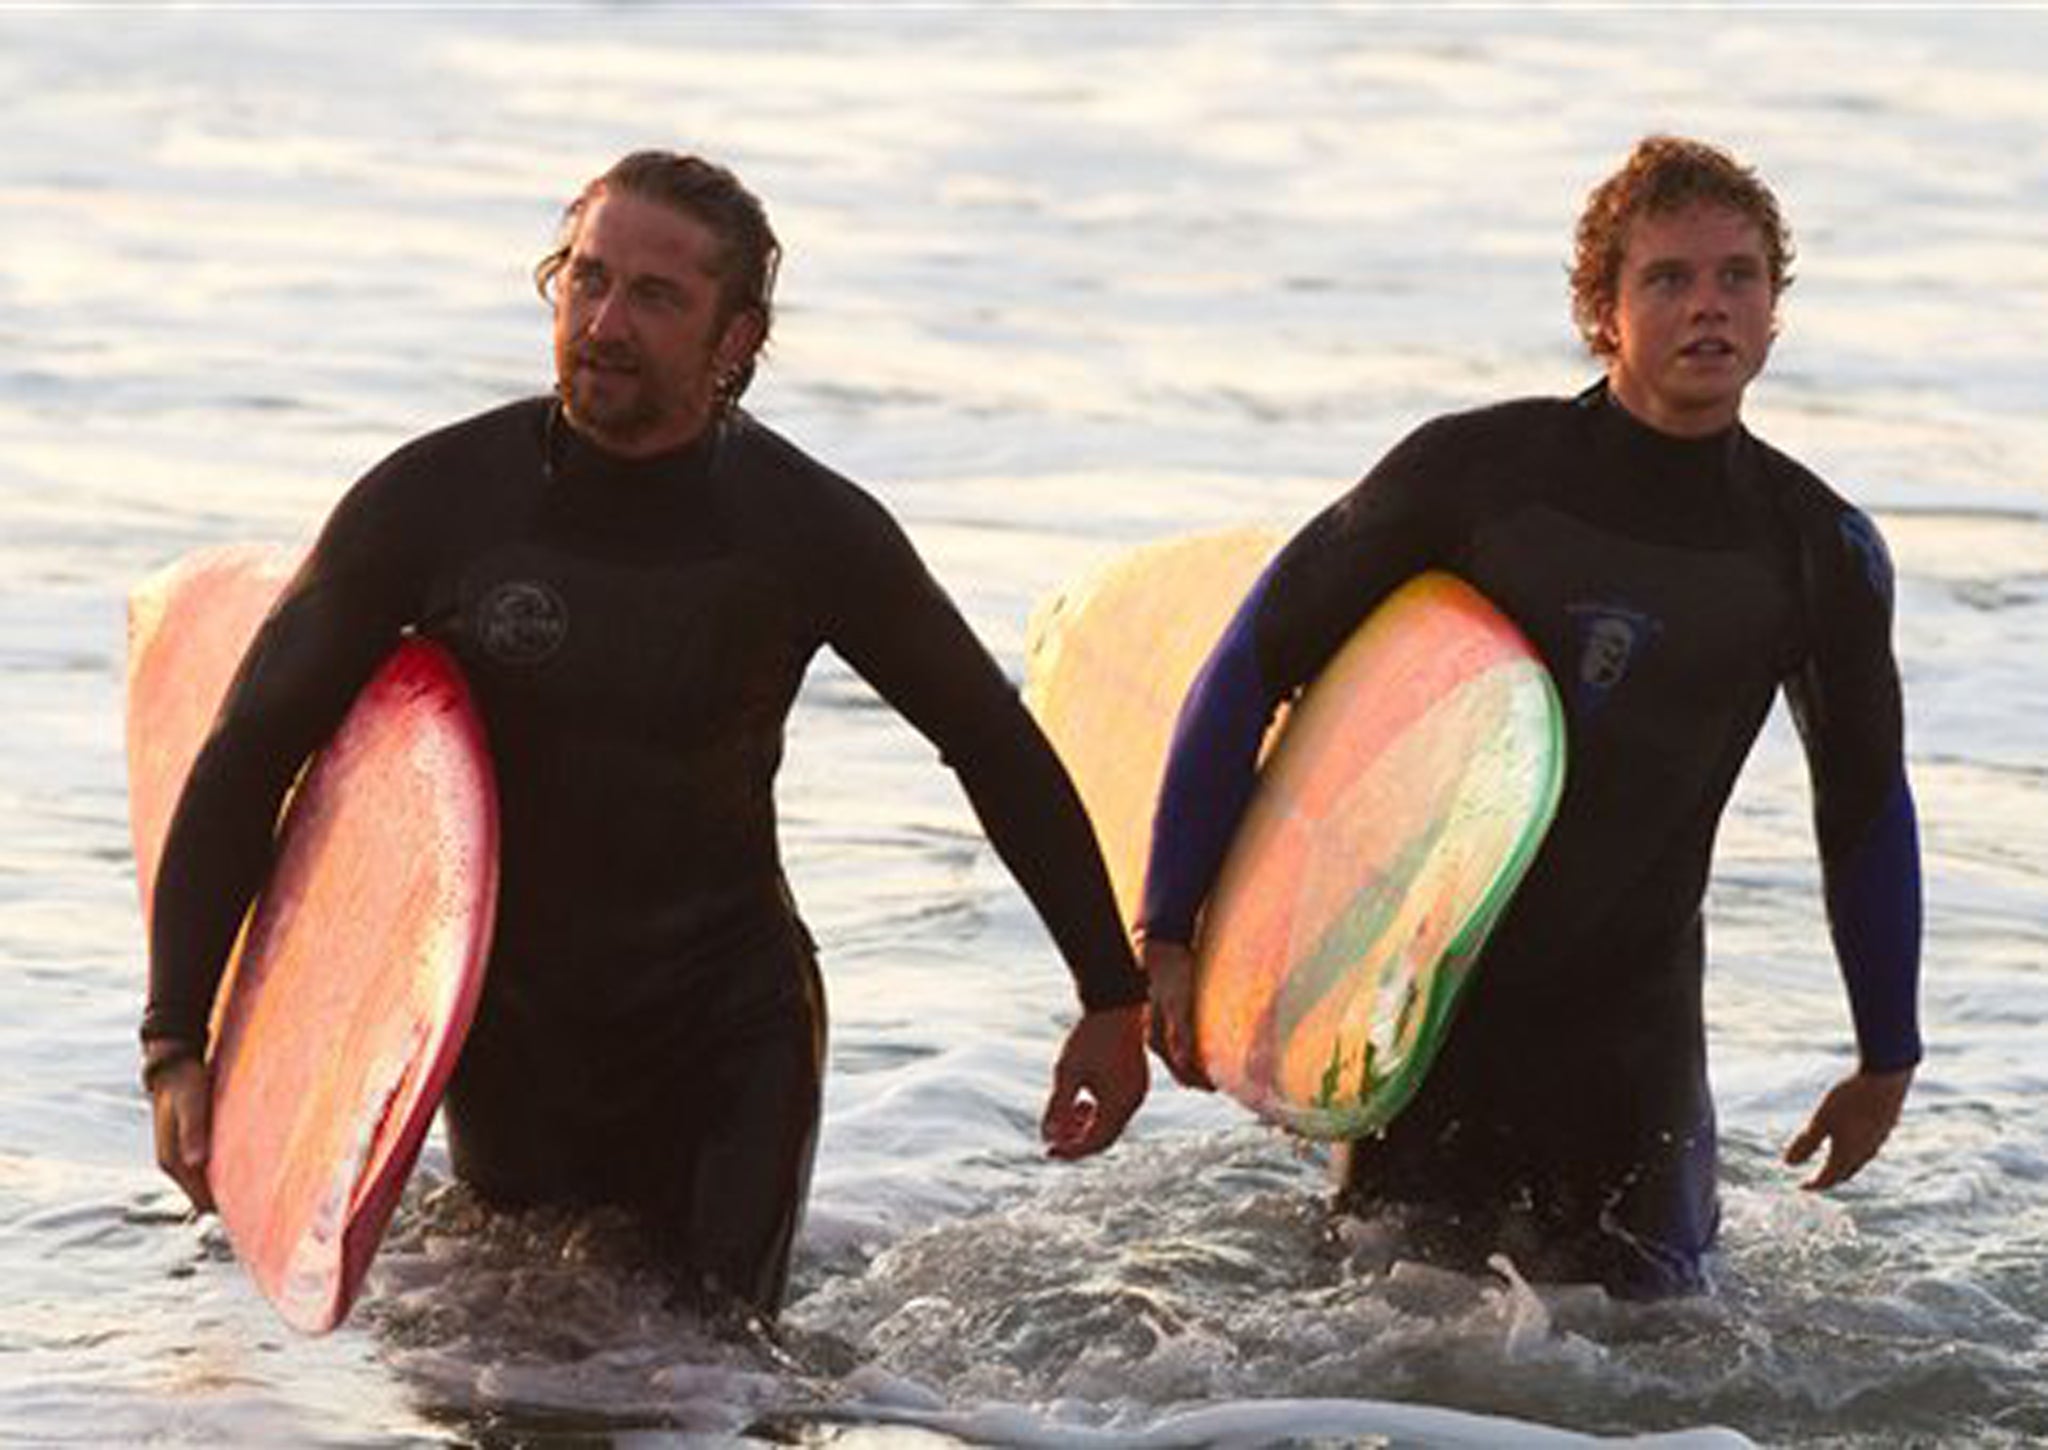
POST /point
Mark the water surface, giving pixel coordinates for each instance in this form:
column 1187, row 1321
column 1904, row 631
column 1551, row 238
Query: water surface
column 1060, row 280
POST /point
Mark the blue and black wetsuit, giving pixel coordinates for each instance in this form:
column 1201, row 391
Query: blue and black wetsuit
column 652, row 1026
column 1672, row 587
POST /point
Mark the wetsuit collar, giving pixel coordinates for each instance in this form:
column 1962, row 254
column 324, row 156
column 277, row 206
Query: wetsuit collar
column 568, row 456
column 1626, row 438
column 1600, row 396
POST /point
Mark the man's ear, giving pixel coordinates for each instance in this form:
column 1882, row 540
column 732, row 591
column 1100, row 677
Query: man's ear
column 1606, row 337
column 744, row 332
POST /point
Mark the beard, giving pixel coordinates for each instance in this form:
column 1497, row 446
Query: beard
column 610, row 395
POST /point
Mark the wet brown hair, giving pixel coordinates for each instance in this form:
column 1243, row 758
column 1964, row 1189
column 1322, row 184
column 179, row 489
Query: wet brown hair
column 1664, row 174
column 748, row 253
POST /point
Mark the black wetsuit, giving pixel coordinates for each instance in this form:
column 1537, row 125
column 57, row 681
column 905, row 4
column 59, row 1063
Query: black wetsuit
column 1672, row 587
column 652, row 1026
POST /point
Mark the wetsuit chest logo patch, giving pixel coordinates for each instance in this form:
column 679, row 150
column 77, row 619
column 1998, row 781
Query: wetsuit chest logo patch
column 522, row 622
column 1611, row 639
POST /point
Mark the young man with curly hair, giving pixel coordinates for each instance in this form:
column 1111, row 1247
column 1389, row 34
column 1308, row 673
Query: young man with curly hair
column 1675, row 572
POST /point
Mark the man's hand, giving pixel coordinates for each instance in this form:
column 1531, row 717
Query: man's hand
column 1098, row 1082
column 1169, row 967
column 181, row 1100
column 1854, row 1119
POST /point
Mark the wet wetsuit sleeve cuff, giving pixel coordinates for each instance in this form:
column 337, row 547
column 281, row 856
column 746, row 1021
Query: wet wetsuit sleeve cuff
column 1108, row 988
column 168, row 1019
column 160, row 1054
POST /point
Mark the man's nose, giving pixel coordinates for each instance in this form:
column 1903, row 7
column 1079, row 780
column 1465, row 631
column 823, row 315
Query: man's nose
column 607, row 318
column 1711, row 298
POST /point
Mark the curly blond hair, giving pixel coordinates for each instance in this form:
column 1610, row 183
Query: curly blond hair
column 1664, row 174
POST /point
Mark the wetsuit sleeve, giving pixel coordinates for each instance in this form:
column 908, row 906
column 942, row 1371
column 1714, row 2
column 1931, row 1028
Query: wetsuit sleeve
column 1295, row 617
column 892, row 622
column 1846, row 701
column 334, row 623
column 1211, row 766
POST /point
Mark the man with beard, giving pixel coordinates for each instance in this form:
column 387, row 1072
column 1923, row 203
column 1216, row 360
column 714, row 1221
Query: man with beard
column 634, row 575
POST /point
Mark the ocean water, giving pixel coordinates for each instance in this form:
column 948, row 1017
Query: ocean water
column 1061, row 279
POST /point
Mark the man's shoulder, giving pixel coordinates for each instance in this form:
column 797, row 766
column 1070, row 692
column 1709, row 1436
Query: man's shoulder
column 842, row 541
column 1511, row 423
column 468, row 447
column 431, row 478
column 1842, row 539
column 1792, row 481
column 518, row 426
column 768, row 451
column 768, row 468
column 1517, row 415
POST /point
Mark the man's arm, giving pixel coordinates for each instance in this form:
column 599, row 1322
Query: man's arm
column 1211, row 767
column 334, row 623
column 1847, row 703
column 1295, row 616
column 897, row 628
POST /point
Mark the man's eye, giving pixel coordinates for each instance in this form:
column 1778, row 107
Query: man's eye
column 658, row 297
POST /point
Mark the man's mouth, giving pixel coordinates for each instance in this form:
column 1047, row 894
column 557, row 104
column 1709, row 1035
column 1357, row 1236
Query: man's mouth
column 619, row 363
column 1708, row 348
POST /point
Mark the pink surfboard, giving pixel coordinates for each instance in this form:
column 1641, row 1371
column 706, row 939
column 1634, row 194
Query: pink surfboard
column 1399, row 804
column 359, row 967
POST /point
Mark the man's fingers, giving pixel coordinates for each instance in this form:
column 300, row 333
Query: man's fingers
column 193, row 1181
column 1108, row 1117
column 1089, row 1116
column 1170, row 969
column 181, row 1110
column 1801, row 1148
column 1097, row 1083
column 1068, row 1118
column 1847, row 1152
column 1184, row 1062
column 1854, row 1120
column 1087, row 1129
column 1847, row 1157
column 187, row 1169
column 1833, row 1169
column 1173, row 1044
column 197, row 1187
column 1085, row 1124
column 192, row 1139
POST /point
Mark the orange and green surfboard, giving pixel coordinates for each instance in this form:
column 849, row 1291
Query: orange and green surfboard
column 1400, row 802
